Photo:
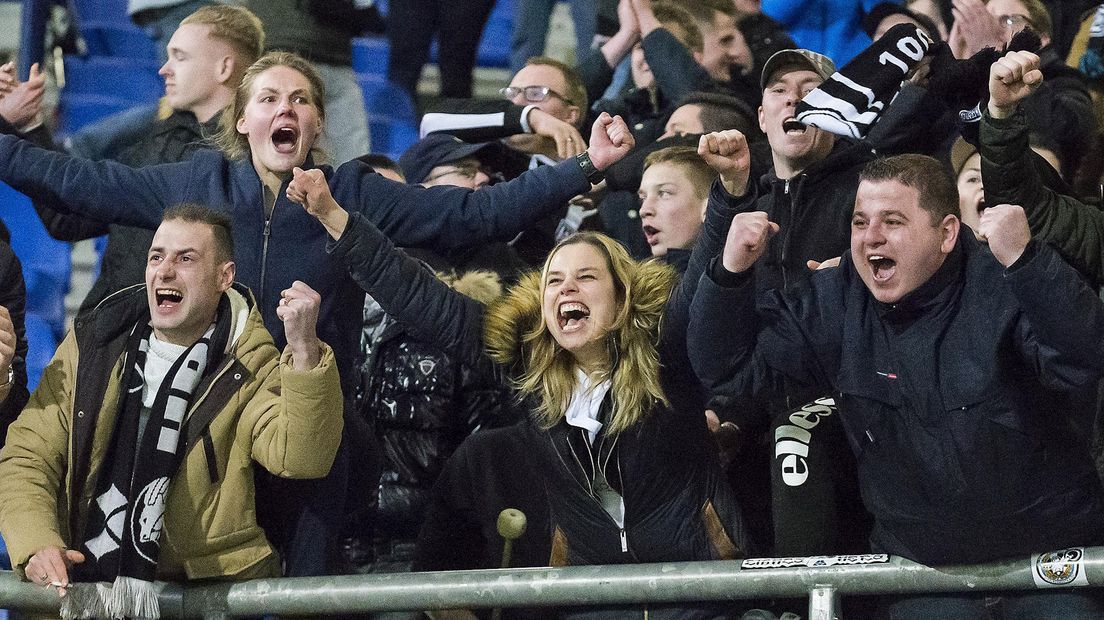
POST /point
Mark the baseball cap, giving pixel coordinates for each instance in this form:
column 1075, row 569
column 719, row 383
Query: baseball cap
column 436, row 149
column 806, row 59
column 961, row 151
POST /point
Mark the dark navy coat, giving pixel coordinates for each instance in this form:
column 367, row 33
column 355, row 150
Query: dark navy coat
column 946, row 396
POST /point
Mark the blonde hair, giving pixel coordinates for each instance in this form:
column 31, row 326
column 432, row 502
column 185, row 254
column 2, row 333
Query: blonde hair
column 680, row 23
column 686, row 158
column 235, row 145
column 236, row 25
column 515, row 335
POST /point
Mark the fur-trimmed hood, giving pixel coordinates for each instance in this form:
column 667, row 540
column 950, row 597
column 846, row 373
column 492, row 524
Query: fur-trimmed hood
column 482, row 286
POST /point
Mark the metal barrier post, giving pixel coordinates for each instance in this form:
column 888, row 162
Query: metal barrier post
column 824, row 603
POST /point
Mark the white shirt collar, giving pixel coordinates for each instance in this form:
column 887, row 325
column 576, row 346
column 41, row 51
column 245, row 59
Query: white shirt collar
column 586, row 400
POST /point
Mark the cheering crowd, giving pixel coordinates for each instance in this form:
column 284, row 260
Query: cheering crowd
column 702, row 295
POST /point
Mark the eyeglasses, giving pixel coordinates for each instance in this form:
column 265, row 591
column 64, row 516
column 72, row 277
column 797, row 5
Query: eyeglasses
column 533, row 94
column 1014, row 21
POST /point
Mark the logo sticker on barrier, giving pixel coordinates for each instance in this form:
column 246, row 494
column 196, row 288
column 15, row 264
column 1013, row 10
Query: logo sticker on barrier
column 1065, row 567
column 816, row 561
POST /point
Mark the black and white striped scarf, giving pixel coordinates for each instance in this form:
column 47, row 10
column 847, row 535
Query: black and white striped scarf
column 126, row 519
column 852, row 99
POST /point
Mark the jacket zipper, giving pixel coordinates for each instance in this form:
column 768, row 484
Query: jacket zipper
column 786, row 233
column 264, row 259
column 625, row 517
column 622, row 534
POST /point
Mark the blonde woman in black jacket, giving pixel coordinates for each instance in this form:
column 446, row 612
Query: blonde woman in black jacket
column 594, row 345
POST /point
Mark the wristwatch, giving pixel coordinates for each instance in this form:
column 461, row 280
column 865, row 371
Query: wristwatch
column 592, row 174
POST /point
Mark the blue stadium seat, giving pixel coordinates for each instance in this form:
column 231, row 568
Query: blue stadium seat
column 5, row 564
column 76, row 111
column 125, row 78
column 46, row 261
column 114, row 11
column 382, row 98
column 118, row 40
column 392, row 136
column 494, row 47
column 370, row 55
column 41, row 345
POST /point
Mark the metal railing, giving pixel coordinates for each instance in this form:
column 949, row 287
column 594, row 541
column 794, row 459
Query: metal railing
column 823, row 579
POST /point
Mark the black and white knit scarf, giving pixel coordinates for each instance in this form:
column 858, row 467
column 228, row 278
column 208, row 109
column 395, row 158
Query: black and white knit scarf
column 852, row 99
column 126, row 519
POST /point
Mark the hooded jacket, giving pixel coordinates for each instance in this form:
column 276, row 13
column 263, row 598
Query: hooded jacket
column 253, row 407
column 813, row 209
column 946, row 395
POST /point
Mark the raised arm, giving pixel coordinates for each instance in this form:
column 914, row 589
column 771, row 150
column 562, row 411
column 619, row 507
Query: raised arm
column 1010, row 176
column 475, row 121
column 727, row 152
column 596, row 66
column 481, row 121
column 105, row 190
column 401, row 285
column 676, row 72
column 741, row 346
column 296, row 415
column 446, row 217
column 61, row 225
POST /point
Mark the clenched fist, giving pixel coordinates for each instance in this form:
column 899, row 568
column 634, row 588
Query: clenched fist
column 1005, row 229
column 310, row 189
column 298, row 310
column 747, row 240
column 610, row 140
column 727, row 152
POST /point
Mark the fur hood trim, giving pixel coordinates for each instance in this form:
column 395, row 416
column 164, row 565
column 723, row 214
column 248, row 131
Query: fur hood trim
column 482, row 286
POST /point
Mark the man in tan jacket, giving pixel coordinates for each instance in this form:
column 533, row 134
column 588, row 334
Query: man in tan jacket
column 134, row 458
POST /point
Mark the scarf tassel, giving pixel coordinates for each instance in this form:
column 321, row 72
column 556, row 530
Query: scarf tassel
column 127, row 597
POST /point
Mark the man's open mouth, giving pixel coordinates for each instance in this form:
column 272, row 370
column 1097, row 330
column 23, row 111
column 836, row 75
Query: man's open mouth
column 881, row 268
column 791, row 125
column 573, row 315
column 168, row 297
